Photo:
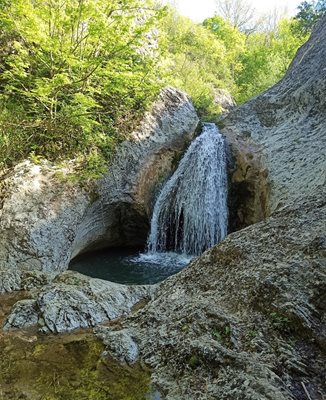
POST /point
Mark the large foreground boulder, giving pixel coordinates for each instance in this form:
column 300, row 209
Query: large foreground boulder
column 278, row 138
column 246, row 320
column 45, row 220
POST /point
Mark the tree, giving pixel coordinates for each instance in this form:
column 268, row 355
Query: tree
column 239, row 13
column 233, row 40
column 74, row 75
column 195, row 61
column 309, row 13
column 266, row 58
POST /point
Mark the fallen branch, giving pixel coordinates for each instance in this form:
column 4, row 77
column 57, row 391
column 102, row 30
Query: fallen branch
column 306, row 391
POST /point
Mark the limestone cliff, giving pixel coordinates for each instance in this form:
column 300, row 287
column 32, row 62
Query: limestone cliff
column 278, row 138
column 44, row 221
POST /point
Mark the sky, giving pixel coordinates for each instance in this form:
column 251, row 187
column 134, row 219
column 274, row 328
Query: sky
column 198, row 10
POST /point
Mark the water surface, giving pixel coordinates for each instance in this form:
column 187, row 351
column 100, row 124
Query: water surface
column 129, row 266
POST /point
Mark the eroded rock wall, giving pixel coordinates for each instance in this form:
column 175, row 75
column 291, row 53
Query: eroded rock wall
column 45, row 221
column 284, row 129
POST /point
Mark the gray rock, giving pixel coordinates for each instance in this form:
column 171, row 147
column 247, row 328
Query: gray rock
column 224, row 100
column 39, row 218
column 120, row 344
column 45, row 221
column 277, row 137
column 246, row 320
column 10, row 280
column 13, row 279
column 24, row 314
column 74, row 301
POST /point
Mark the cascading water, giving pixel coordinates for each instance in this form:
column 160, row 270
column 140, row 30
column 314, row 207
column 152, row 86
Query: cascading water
column 190, row 214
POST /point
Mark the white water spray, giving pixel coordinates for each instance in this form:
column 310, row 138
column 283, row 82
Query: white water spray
column 190, row 214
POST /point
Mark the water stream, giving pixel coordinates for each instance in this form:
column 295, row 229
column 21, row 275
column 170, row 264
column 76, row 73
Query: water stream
column 190, row 214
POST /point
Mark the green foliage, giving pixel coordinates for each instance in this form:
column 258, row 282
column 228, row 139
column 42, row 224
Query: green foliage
column 256, row 61
column 266, row 59
column 280, row 322
column 222, row 334
column 67, row 367
column 309, row 13
column 195, row 61
column 233, row 40
column 75, row 77
column 193, row 361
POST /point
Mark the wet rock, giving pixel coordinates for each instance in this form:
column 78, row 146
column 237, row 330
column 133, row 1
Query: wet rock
column 119, row 344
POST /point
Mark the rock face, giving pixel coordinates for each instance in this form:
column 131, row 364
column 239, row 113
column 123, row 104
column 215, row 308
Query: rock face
column 223, row 100
column 14, row 279
column 74, row 301
column 38, row 218
column 246, row 320
column 280, row 132
column 121, row 214
column 44, row 222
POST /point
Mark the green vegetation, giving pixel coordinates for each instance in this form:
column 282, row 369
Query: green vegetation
column 266, row 58
column 194, row 61
column 65, row 368
column 193, row 362
column 223, row 334
column 309, row 13
column 76, row 76
column 280, row 322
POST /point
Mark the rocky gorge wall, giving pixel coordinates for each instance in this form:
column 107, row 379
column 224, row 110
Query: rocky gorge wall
column 278, row 138
column 45, row 221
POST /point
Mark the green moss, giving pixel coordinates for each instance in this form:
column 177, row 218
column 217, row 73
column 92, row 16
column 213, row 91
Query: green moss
column 193, row 361
column 66, row 367
column 280, row 322
column 223, row 334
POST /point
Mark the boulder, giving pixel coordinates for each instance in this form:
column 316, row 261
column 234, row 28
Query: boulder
column 244, row 321
column 73, row 301
column 223, row 100
column 45, row 221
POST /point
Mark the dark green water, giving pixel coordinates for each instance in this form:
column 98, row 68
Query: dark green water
column 129, row 266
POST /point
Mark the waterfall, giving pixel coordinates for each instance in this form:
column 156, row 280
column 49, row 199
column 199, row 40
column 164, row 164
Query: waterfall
column 190, row 214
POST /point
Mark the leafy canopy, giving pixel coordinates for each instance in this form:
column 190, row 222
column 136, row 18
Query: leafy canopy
column 309, row 13
column 75, row 75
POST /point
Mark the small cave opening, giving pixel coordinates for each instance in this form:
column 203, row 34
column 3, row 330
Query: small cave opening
column 121, row 256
